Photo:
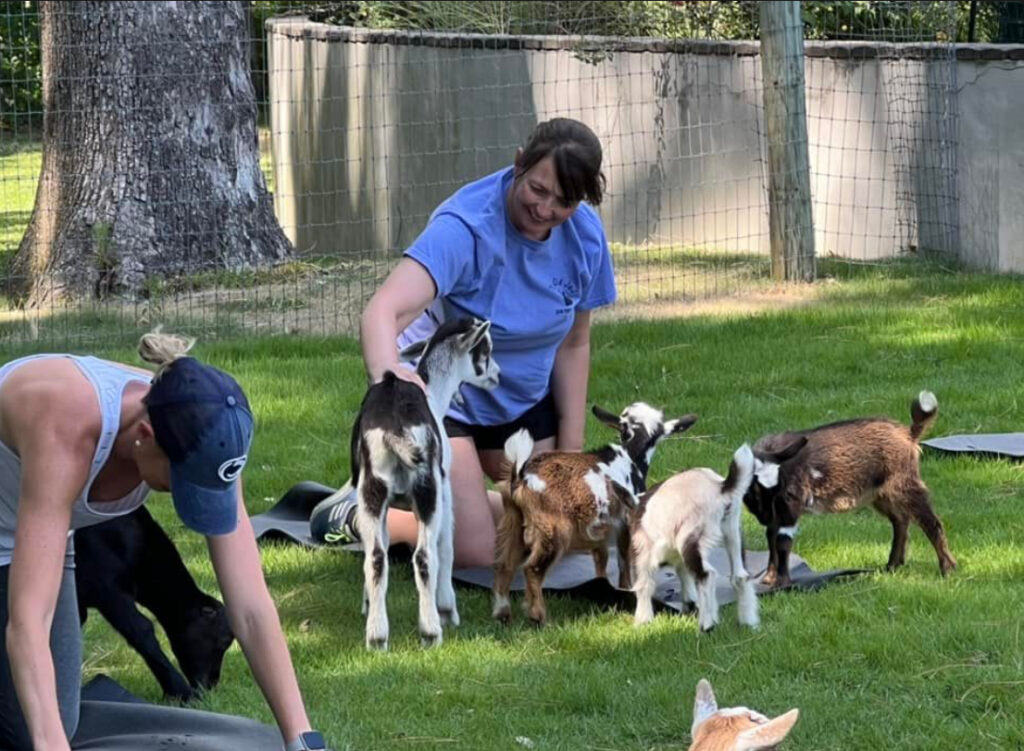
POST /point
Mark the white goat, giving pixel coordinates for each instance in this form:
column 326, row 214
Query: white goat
column 680, row 521
column 401, row 457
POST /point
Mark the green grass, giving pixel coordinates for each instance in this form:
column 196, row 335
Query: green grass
column 908, row 660
column 20, row 162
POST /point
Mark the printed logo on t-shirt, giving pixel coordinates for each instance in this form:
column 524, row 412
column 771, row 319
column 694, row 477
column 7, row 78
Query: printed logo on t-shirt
column 568, row 291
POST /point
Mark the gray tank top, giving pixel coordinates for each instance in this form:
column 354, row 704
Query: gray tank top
column 109, row 380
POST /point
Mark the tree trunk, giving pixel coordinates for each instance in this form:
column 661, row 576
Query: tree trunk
column 150, row 151
column 790, row 216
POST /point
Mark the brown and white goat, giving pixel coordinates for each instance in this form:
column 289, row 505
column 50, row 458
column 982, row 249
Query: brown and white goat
column 680, row 521
column 734, row 728
column 839, row 467
column 401, row 457
column 562, row 501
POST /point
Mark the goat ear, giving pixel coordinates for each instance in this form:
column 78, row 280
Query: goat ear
column 680, row 425
column 768, row 735
column 704, row 705
column 612, row 421
column 474, row 335
column 413, row 351
column 790, row 450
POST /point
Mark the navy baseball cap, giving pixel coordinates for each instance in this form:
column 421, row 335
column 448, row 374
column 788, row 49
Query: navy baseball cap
column 202, row 421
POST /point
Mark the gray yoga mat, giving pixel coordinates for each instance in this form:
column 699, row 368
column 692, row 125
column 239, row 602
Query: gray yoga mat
column 574, row 574
column 1010, row 445
column 288, row 521
column 112, row 719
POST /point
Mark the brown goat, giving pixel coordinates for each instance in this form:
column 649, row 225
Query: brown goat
column 735, row 728
column 561, row 501
column 839, row 467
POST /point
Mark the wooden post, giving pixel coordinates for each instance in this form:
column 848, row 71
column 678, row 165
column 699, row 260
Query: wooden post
column 785, row 113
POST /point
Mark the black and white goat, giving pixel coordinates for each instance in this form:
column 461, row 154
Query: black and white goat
column 561, row 501
column 839, row 467
column 401, row 457
column 680, row 521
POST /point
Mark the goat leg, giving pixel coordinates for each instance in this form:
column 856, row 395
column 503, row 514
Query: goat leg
column 138, row 631
column 510, row 552
column 600, row 555
column 784, row 543
column 541, row 559
column 746, row 598
column 624, row 548
column 427, row 503
column 375, row 570
column 924, row 515
column 446, row 605
column 771, row 575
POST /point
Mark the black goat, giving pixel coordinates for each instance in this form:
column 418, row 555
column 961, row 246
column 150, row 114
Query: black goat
column 129, row 560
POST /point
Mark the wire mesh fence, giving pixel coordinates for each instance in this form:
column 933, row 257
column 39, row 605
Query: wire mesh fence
column 259, row 167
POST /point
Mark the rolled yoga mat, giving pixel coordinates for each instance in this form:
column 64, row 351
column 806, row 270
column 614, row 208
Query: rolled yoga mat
column 113, row 719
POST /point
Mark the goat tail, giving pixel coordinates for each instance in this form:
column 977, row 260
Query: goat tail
column 518, row 449
column 741, row 473
column 923, row 412
column 405, row 450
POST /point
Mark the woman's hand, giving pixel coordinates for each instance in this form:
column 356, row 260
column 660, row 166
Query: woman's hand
column 256, row 624
column 406, row 293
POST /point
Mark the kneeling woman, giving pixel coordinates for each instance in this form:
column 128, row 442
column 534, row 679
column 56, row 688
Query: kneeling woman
column 82, row 440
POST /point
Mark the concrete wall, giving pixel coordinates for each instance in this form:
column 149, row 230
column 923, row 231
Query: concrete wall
column 370, row 130
column 991, row 160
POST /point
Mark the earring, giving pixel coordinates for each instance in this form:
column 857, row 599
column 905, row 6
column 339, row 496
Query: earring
column 137, row 443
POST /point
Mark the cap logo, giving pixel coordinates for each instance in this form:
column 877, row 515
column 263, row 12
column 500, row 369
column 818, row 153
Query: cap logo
column 231, row 469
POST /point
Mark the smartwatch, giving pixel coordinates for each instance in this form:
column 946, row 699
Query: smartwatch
column 310, row 741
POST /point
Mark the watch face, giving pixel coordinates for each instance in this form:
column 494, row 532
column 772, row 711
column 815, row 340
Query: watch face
column 313, row 740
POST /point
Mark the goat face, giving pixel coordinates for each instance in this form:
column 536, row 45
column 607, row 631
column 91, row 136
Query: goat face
column 735, row 728
column 641, row 427
column 464, row 347
column 770, row 453
column 201, row 644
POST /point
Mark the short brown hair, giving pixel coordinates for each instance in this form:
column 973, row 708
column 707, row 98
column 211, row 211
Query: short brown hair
column 577, row 154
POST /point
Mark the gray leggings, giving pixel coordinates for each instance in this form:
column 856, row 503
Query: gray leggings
column 66, row 645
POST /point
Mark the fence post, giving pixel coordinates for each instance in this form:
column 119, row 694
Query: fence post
column 785, row 113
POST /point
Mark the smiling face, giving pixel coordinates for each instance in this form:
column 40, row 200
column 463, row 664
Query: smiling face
column 536, row 202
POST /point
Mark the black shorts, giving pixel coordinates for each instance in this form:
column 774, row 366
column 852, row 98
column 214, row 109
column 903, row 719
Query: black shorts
column 541, row 420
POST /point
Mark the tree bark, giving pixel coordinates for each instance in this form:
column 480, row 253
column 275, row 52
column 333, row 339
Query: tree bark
column 150, row 151
column 790, row 216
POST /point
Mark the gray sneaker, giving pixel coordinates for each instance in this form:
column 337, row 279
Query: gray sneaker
column 332, row 521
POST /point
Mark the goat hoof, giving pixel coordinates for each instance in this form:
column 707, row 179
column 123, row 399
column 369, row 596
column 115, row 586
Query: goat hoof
column 947, row 566
column 183, row 696
column 377, row 644
column 430, row 640
column 502, row 614
column 449, row 617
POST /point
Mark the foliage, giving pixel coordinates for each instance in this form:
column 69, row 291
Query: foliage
column 21, row 96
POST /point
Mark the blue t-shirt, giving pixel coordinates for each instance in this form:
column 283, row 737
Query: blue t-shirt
column 530, row 291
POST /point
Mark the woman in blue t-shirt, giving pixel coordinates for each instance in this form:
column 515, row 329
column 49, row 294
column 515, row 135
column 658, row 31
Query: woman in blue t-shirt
column 523, row 249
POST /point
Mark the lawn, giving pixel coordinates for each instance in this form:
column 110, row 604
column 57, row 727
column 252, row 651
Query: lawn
column 906, row 660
